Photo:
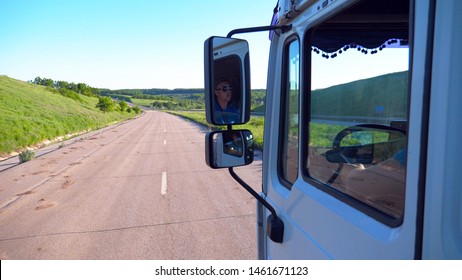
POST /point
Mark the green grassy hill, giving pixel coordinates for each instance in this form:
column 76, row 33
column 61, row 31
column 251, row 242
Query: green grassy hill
column 31, row 114
column 349, row 99
column 375, row 94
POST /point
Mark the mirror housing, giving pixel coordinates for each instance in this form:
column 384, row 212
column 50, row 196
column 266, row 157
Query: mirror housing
column 226, row 62
column 229, row 148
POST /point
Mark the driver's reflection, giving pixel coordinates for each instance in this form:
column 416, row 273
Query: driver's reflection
column 225, row 111
column 233, row 144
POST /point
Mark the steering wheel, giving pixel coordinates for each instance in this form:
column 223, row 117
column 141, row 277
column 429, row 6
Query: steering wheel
column 349, row 130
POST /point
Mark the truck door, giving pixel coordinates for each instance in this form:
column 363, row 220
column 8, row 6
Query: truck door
column 343, row 149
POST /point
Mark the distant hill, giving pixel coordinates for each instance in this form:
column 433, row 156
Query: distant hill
column 127, row 94
column 179, row 99
column 349, row 100
column 30, row 114
column 374, row 94
column 152, row 91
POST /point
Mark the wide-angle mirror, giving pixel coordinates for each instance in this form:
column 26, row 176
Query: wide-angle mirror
column 227, row 81
column 229, row 148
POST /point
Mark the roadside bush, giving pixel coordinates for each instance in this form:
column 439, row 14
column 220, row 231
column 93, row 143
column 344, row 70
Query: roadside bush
column 105, row 104
column 137, row 109
column 26, row 155
column 123, row 106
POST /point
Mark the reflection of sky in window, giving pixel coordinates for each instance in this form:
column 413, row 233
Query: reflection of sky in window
column 353, row 65
column 294, row 67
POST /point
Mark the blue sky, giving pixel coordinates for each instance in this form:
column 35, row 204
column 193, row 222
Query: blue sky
column 125, row 43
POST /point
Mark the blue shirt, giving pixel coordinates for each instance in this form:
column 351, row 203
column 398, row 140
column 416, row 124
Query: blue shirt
column 229, row 115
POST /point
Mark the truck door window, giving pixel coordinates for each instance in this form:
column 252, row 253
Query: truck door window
column 358, row 107
column 288, row 154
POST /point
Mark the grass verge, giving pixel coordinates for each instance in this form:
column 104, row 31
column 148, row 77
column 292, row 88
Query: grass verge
column 30, row 114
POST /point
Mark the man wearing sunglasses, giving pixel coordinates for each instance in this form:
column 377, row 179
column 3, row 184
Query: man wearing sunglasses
column 225, row 111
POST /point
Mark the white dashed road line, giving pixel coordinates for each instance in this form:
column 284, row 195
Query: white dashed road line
column 163, row 189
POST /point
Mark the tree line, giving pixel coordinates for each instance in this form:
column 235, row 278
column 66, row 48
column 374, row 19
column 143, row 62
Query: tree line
column 63, row 86
column 162, row 99
column 160, row 96
column 177, row 99
column 148, row 93
column 73, row 90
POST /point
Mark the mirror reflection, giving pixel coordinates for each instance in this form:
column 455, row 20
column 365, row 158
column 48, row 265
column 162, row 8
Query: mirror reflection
column 226, row 81
column 229, row 148
column 233, row 144
column 226, row 105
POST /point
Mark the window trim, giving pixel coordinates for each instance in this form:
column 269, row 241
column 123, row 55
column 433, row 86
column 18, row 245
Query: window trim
column 283, row 109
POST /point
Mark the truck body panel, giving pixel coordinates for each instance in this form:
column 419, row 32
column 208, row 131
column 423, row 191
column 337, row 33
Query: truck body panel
column 362, row 130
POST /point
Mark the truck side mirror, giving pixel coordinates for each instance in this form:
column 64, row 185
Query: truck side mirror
column 229, row 148
column 227, row 81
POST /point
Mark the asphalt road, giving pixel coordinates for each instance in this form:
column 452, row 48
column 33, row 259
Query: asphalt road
column 139, row 190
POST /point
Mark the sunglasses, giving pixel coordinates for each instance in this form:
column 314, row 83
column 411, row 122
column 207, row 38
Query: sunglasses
column 225, row 88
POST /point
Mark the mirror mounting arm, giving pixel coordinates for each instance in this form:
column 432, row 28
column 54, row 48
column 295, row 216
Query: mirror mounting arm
column 275, row 226
column 283, row 28
column 252, row 191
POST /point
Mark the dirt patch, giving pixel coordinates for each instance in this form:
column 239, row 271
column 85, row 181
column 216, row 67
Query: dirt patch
column 45, row 204
column 67, row 184
column 52, row 161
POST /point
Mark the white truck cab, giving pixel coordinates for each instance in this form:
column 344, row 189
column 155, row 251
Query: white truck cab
column 362, row 128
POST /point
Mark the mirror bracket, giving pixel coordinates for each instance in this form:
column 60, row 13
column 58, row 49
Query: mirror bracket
column 275, row 226
column 283, row 28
